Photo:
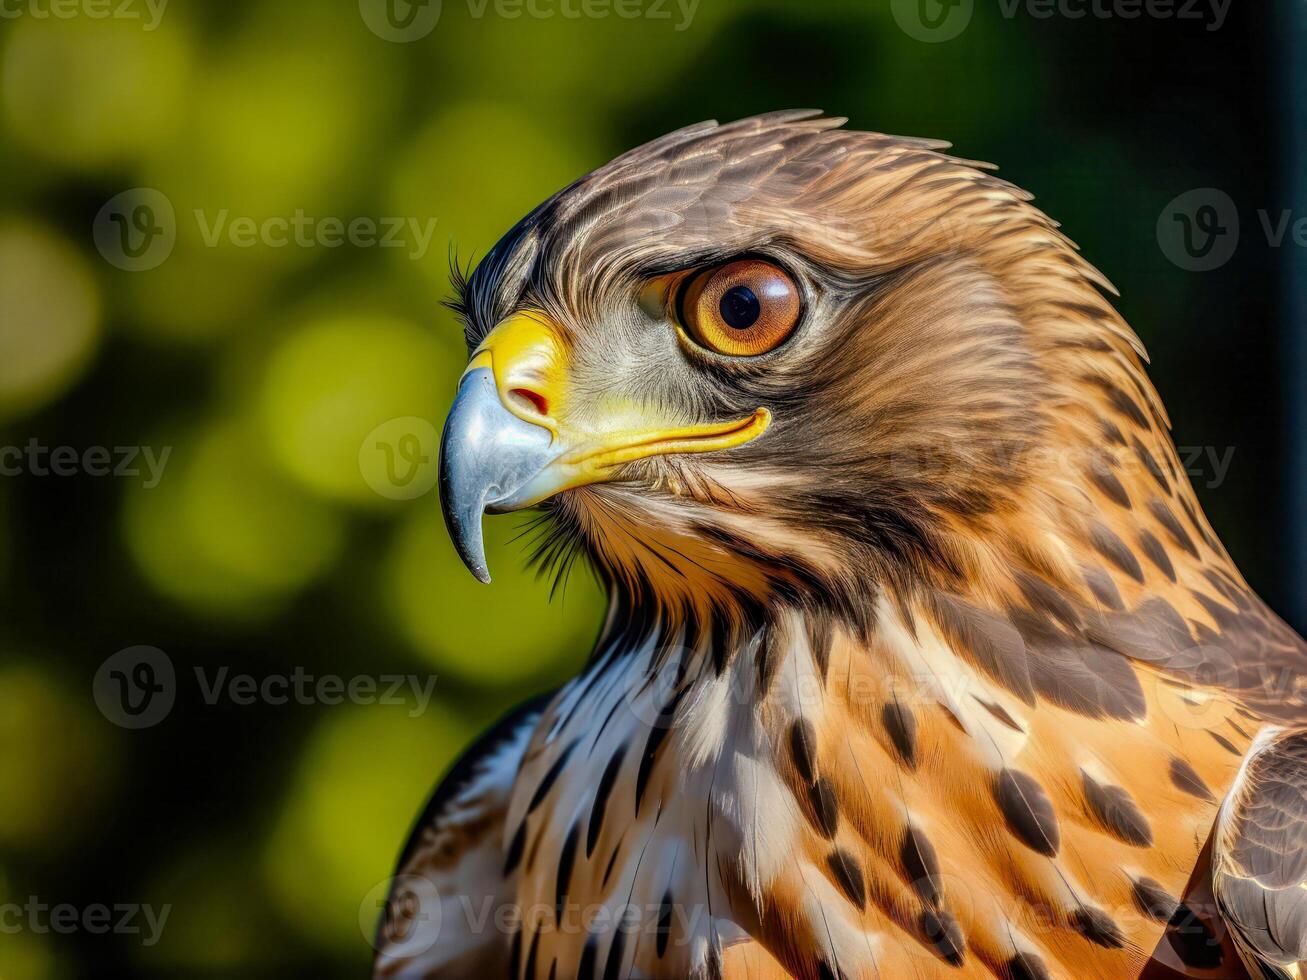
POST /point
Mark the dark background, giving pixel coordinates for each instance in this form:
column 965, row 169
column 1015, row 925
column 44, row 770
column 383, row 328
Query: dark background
column 265, row 547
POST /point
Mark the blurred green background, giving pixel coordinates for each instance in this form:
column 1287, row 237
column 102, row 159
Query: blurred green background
column 280, row 535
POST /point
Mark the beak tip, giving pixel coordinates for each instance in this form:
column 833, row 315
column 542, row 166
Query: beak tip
column 477, row 566
column 465, row 532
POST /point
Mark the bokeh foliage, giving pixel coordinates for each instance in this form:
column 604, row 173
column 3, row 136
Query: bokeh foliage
column 266, row 369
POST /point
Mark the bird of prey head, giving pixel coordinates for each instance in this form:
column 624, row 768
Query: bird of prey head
column 776, row 358
column 921, row 659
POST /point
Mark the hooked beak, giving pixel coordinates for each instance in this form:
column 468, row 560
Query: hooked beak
column 507, row 444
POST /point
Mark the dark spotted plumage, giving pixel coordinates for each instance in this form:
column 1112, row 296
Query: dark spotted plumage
column 937, row 674
column 1153, row 550
column 1173, row 527
column 1151, row 467
column 1027, row 966
column 529, row 970
column 616, row 951
column 1046, row 600
column 513, row 857
column 1101, row 474
column 1153, row 900
column 1117, row 812
column 661, row 727
column 944, row 935
column 848, row 875
column 589, row 957
column 602, row 792
column 546, row 784
column 663, row 931
column 1103, row 588
column 803, row 749
column 1001, row 713
column 995, row 644
column 921, row 865
column 1028, row 812
column 1097, row 926
column 1186, row 779
column 819, row 640
column 901, row 726
column 563, row 875
column 825, row 808
column 1078, row 670
column 1122, row 403
column 612, row 864
column 768, row 659
column 1226, row 744
column 1108, row 544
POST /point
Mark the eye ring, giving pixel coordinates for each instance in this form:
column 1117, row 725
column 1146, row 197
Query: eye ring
column 743, row 308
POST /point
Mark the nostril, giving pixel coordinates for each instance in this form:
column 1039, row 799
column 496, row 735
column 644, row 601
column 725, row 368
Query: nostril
column 537, row 401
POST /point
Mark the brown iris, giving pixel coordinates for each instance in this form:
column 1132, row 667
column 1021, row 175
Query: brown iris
column 744, row 308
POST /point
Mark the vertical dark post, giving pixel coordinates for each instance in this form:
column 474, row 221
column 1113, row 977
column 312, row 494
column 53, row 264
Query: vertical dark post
column 1292, row 35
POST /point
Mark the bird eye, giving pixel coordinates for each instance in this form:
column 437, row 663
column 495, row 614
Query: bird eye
column 744, row 308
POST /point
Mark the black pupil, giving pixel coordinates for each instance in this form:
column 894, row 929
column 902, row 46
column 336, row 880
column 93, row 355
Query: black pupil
column 740, row 307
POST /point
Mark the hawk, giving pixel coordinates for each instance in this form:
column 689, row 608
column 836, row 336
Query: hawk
column 920, row 657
